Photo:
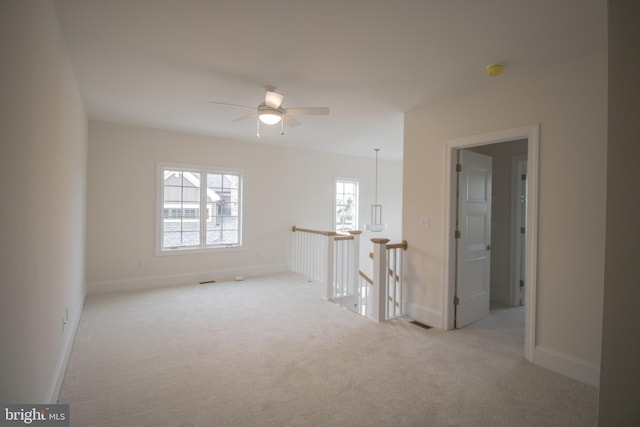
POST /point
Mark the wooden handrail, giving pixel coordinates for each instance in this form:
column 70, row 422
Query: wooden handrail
column 306, row 230
column 402, row 245
column 365, row 277
column 341, row 237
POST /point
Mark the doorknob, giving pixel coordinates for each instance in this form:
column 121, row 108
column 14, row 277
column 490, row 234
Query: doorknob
column 488, row 247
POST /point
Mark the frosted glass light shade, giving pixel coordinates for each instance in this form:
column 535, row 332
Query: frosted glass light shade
column 375, row 227
column 376, row 220
column 269, row 118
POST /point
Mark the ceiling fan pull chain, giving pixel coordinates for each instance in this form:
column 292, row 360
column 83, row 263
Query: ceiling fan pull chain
column 258, row 128
column 281, row 124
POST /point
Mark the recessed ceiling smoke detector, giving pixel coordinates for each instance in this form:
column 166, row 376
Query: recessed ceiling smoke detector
column 494, row 69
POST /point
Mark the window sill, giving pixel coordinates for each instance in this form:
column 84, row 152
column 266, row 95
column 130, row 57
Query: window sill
column 199, row 250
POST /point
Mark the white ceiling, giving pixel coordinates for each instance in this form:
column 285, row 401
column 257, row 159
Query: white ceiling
column 157, row 63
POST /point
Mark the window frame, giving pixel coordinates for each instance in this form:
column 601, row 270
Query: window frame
column 203, row 170
column 350, row 180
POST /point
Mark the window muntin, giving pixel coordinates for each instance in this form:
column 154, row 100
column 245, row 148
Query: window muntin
column 194, row 215
column 346, row 205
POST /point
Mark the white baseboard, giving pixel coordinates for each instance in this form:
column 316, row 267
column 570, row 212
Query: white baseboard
column 61, row 369
column 183, row 278
column 425, row 315
column 567, row 365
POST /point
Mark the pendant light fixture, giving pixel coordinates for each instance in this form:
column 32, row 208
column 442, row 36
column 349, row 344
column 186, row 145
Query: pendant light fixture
column 376, row 224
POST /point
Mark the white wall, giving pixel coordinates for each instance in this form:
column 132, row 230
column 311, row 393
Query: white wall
column 569, row 103
column 43, row 173
column 620, row 379
column 283, row 187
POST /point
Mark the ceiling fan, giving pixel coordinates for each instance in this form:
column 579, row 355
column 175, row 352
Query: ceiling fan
column 271, row 112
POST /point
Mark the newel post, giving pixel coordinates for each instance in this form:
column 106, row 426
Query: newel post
column 379, row 279
column 330, row 265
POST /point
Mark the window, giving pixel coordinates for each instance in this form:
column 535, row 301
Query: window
column 200, row 208
column 346, row 205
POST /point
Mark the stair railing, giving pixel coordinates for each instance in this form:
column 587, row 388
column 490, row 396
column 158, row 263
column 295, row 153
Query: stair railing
column 329, row 258
column 388, row 262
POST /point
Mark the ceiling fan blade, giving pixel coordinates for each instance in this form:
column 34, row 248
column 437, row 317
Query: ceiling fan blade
column 242, row 118
column 291, row 122
column 307, row 111
column 232, row 105
column 273, row 99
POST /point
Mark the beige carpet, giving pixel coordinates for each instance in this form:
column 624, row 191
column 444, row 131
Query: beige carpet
column 270, row 352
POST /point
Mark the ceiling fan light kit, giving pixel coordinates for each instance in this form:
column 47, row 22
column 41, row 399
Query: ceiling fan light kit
column 270, row 112
column 270, row 118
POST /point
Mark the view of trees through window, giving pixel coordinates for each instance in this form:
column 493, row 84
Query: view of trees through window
column 196, row 215
column 346, row 206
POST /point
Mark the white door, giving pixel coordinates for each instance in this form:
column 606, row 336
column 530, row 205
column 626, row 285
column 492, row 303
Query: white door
column 473, row 238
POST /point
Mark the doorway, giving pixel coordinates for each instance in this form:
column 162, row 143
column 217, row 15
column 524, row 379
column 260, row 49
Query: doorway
column 506, row 289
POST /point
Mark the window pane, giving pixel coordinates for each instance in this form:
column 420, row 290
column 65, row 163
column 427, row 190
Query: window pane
column 230, row 237
column 191, row 238
column 190, row 179
column 214, row 180
column 231, row 209
column 229, row 222
column 225, row 190
column 233, row 195
column 348, row 187
column 181, row 208
column 184, row 212
column 231, row 181
column 346, row 205
column 191, row 194
column 172, row 193
column 171, row 239
column 214, row 237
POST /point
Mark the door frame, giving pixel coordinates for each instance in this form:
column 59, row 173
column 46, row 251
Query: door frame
column 531, row 134
column 515, row 269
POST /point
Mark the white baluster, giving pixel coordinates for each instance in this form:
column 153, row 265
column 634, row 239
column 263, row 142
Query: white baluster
column 355, row 263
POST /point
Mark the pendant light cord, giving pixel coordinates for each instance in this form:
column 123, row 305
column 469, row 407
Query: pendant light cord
column 376, row 186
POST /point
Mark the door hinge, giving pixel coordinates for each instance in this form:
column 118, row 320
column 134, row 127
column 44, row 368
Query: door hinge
column 523, row 230
column 523, row 177
column 459, row 167
column 457, row 234
column 522, row 283
column 456, row 300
